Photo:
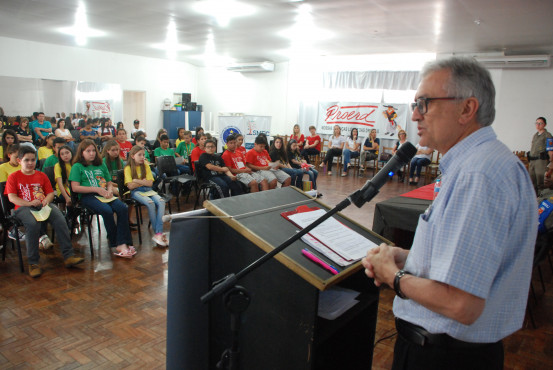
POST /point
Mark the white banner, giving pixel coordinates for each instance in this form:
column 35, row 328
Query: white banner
column 96, row 108
column 247, row 125
column 387, row 119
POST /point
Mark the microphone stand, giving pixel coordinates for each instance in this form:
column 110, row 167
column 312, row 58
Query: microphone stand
column 236, row 298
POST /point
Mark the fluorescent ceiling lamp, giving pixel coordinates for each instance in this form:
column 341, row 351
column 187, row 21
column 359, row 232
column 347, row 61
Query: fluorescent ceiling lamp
column 305, row 29
column 224, row 10
column 171, row 44
column 80, row 30
column 210, row 58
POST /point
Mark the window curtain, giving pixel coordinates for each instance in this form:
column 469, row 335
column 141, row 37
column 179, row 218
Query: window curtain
column 386, row 80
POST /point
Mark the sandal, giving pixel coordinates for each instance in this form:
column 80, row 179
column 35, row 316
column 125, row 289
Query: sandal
column 158, row 239
column 123, row 255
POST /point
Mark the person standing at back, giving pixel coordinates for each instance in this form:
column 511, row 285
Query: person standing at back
column 540, row 156
column 464, row 284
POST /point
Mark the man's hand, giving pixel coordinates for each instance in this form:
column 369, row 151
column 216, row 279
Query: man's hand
column 382, row 263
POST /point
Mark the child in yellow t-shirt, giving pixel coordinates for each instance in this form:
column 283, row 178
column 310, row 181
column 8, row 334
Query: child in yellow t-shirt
column 48, row 149
column 12, row 165
column 61, row 174
column 139, row 180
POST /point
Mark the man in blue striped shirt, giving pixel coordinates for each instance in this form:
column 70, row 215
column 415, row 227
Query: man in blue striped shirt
column 463, row 286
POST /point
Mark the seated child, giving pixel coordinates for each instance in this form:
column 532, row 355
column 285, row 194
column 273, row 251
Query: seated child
column 212, row 168
column 31, row 190
column 90, row 178
column 53, row 159
column 139, row 180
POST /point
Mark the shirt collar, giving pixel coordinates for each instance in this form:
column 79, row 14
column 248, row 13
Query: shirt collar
column 466, row 145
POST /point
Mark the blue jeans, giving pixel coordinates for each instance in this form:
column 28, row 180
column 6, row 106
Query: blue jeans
column 117, row 234
column 183, row 170
column 417, row 164
column 296, row 176
column 348, row 154
column 155, row 205
column 313, row 173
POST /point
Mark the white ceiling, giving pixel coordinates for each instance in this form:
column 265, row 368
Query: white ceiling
column 354, row 27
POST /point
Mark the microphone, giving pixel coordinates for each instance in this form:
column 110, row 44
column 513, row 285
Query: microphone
column 371, row 187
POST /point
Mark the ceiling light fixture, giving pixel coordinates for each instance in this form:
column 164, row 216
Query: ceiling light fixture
column 171, row 44
column 80, row 30
column 224, row 10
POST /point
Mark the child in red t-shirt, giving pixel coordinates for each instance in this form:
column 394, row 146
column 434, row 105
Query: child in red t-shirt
column 258, row 160
column 124, row 145
column 30, row 190
column 198, row 150
column 239, row 142
column 235, row 160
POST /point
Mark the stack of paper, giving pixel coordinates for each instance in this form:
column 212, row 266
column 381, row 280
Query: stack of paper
column 332, row 234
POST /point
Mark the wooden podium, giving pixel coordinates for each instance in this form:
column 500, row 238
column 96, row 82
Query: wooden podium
column 280, row 329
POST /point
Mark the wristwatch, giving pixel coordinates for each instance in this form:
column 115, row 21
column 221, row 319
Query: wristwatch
column 399, row 275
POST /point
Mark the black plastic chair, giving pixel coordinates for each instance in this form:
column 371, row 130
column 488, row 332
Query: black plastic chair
column 86, row 215
column 8, row 221
column 202, row 187
column 49, row 171
column 125, row 195
column 167, row 168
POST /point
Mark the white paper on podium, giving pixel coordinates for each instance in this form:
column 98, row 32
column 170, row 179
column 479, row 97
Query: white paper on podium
column 335, row 235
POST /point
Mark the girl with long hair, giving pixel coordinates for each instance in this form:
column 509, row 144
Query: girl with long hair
column 9, row 137
column 111, row 158
column 62, row 170
column 296, row 161
column 139, row 180
column 278, row 153
column 91, row 179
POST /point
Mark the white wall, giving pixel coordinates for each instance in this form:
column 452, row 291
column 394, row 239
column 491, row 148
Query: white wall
column 263, row 94
column 522, row 96
column 159, row 78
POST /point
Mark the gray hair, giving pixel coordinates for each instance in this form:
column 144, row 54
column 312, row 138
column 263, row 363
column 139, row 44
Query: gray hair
column 468, row 78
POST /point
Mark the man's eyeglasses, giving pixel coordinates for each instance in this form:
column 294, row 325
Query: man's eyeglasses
column 422, row 103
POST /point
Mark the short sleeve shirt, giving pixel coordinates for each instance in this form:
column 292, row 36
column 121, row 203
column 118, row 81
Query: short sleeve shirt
column 368, row 144
column 259, row 159
column 337, row 141
column 206, row 159
column 7, row 169
column 57, row 175
column 312, row 139
column 29, row 187
column 95, row 176
column 124, row 149
column 160, row 152
column 234, row 159
column 50, row 161
column 128, row 174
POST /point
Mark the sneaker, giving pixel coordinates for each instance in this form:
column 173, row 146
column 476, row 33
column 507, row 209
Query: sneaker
column 11, row 234
column 73, row 260
column 35, row 271
column 44, row 243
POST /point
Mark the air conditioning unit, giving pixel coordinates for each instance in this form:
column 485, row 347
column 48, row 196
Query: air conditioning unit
column 252, row 67
column 515, row 61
